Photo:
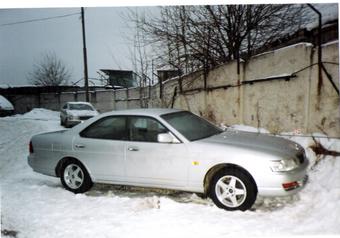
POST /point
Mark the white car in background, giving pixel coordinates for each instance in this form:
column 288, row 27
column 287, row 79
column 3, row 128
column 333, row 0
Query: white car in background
column 73, row 113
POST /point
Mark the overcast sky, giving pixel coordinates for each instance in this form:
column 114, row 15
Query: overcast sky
column 22, row 45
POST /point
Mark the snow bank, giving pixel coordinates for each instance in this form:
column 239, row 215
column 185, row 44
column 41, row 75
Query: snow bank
column 248, row 128
column 40, row 114
column 5, row 104
column 37, row 206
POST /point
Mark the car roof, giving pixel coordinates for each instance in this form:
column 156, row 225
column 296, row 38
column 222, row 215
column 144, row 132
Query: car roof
column 79, row 103
column 144, row 111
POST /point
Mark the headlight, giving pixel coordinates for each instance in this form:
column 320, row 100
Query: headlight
column 283, row 165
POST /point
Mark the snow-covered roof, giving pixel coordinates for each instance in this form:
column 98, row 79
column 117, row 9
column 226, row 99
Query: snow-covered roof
column 87, row 103
column 5, row 86
column 5, row 104
column 305, row 44
column 330, row 43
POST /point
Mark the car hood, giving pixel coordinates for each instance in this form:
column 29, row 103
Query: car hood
column 79, row 113
column 257, row 141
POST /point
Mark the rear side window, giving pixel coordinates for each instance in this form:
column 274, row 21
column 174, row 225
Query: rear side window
column 111, row 128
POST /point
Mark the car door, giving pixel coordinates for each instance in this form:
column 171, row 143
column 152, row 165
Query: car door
column 101, row 147
column 151, row 163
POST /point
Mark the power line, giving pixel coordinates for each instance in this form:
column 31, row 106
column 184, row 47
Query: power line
column 38, row 19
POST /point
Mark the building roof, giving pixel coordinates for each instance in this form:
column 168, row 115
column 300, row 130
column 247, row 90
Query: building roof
column 114, row 71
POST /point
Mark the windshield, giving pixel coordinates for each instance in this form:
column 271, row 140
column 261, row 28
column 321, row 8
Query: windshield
column 191, row 126
column 79, row 106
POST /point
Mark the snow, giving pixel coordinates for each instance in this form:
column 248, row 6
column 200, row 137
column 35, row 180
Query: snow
column 305, row 44
column 5, row 104
column 81, row 103
column 331, row 43
column 39, row 114
column 6, row 86
column 37, row 206
column 246, row 128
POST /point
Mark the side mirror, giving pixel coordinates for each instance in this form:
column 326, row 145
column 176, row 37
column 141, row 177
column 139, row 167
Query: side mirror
column 166, row 138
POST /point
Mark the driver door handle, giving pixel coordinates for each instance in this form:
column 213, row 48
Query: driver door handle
column 132, row 148
column 79, row 146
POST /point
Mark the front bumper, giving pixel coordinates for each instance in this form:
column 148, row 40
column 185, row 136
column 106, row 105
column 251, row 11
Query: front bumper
column 284, row 183
column 281, row 191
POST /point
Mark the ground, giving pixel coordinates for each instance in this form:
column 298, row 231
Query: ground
column 34, row 205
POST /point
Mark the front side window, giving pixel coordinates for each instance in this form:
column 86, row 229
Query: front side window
column 145, row 129
column 113, row 128
column 191, row 126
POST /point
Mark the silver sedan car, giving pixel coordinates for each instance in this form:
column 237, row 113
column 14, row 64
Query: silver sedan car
column 73, row 113
column 172, row 149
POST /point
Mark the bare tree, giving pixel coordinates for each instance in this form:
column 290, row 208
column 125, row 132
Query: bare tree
column 50, row 71
column 201, row 37
column 139, row 56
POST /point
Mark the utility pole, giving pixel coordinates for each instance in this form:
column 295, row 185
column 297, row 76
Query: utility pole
column 86, row 77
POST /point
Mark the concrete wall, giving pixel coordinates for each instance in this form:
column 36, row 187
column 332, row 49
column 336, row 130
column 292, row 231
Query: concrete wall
column 278, row 105
column 23, row 103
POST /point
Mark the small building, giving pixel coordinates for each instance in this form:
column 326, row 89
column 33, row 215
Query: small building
column 120, row 78
column 164, row 74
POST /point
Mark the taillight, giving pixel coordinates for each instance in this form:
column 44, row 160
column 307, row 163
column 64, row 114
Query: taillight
column 290, row 186
column 31, row 147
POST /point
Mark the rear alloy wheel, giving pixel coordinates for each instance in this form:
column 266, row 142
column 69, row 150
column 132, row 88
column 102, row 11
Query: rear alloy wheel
column 74, row 177
column 233, row 189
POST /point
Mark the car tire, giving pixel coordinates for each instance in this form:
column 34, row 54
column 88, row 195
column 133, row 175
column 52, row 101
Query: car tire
column 233, row 189
column 61, row 122
column 74, row 177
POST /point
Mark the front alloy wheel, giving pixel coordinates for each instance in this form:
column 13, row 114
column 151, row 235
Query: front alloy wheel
column 233, row 189
column 230, row 191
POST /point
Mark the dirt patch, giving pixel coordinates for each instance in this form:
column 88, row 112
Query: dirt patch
column 9, row 233
column 321, row 152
